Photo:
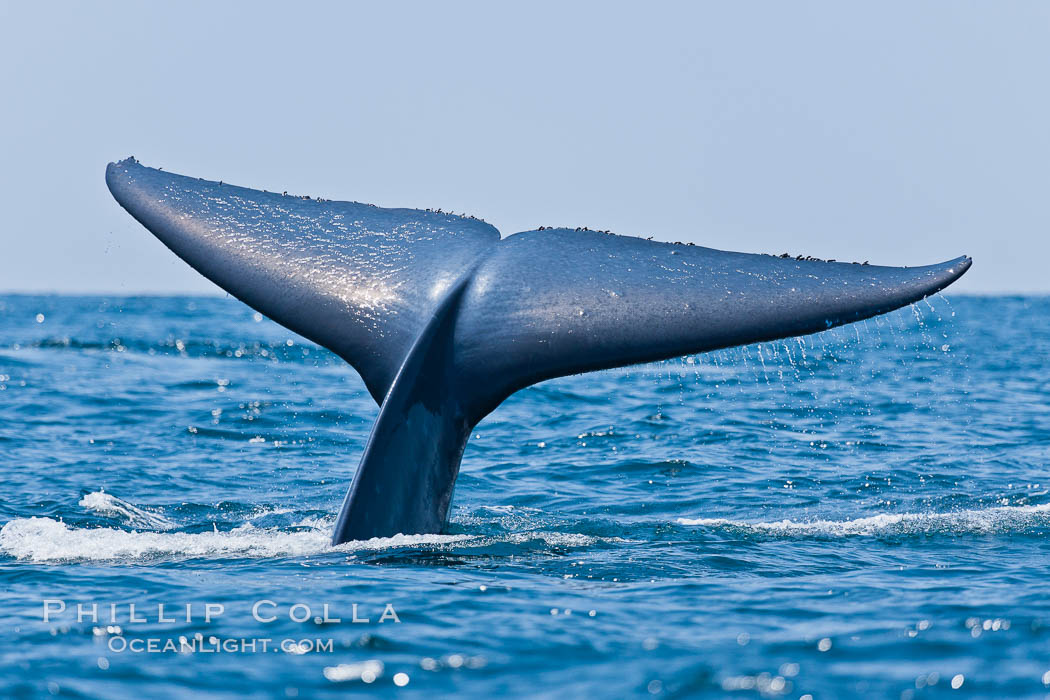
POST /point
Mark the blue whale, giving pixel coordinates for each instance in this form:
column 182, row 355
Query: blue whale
column 444, row 320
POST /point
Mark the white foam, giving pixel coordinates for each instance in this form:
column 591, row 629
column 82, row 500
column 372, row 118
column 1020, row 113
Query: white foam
column 108, row 504
column 996, row 519
column 48, row 540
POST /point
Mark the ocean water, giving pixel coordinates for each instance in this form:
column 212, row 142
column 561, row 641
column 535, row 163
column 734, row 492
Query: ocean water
column 863, row 512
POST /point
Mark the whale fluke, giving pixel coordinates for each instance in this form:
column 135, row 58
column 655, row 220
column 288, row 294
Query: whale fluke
column 557, row 302
column 358, row 279
column 444, row 320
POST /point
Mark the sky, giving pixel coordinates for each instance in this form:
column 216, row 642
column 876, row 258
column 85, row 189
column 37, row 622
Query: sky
column 897, row 132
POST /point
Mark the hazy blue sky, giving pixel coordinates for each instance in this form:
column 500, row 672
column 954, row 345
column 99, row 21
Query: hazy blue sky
column 901, row 133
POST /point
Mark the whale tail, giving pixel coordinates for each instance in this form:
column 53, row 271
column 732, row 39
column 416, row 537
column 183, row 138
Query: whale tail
column 443, row 320
column 406, row 476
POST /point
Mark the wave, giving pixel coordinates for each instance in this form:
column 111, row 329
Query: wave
column 976, row 521
column 49, row 540
column 42, row 539
column 107, row 504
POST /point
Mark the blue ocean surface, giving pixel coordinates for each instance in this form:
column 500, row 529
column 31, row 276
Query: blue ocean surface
column 863, row 512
